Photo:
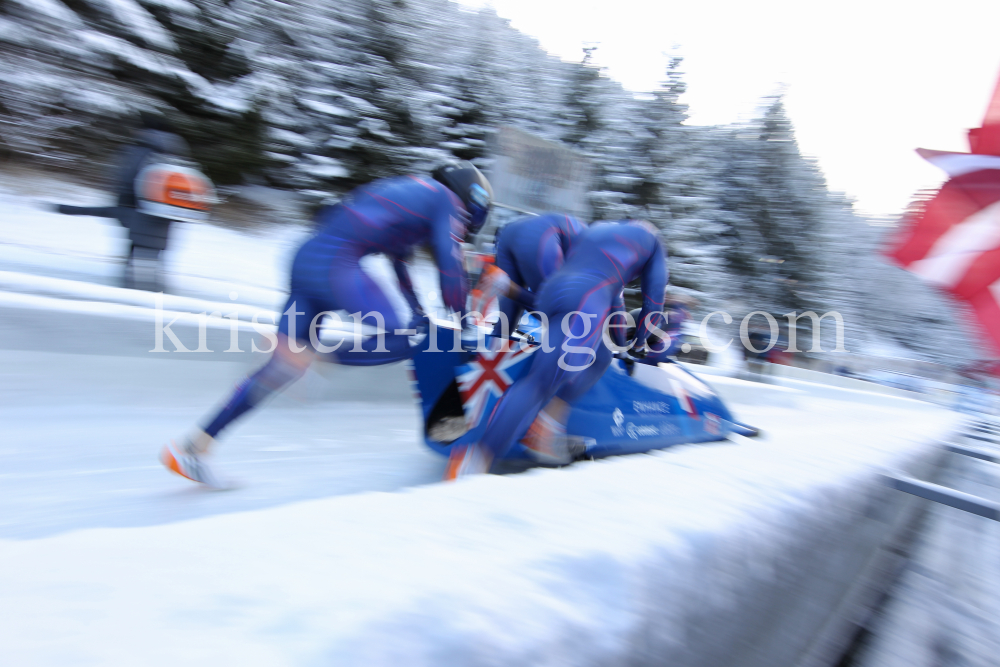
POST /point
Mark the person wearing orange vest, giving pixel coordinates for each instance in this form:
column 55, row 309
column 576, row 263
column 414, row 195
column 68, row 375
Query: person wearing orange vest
column 148, row 234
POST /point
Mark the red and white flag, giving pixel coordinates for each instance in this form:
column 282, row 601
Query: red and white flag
column 953, row 241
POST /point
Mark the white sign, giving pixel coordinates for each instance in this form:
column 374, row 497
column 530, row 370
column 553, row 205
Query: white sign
column 538, row 176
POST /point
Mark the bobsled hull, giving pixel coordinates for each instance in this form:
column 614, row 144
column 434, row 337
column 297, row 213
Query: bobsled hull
column 633, row 408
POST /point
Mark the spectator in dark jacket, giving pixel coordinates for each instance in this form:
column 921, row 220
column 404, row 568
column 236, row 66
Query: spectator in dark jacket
column 148, row 234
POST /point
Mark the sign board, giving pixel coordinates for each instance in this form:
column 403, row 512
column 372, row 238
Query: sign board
column 535, row 175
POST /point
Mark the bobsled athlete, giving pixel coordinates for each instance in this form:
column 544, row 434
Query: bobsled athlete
column 577, row 300
column 528, row 251
column 389, row 216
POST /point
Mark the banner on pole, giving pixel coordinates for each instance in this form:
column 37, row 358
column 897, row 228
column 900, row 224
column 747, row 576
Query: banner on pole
column 536, row 175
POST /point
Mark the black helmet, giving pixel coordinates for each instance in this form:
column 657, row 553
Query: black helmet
column 471, row 187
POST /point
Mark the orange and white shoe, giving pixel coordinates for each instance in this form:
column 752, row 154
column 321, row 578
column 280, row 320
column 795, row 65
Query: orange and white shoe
column 188, row 462
column 466, row 460
column 493, row 282
column 547, row 441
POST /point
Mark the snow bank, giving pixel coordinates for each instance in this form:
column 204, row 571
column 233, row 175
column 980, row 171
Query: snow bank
column 945, row 608
column 734, row 390
column 101, row 296
column 709, row 555
column 204, row 262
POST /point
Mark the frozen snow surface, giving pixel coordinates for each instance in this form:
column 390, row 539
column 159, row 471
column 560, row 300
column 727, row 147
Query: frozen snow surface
column 695, row 555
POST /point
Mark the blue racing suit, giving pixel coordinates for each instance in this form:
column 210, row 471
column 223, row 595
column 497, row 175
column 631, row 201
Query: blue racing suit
column 529, row 250
column 391, row 217
column 578, row 299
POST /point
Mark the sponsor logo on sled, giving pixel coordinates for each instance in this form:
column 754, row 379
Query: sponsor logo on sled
column 619, row 419
column 620, row 428
column 636, row 432
column 655, row 407
column 668, row 429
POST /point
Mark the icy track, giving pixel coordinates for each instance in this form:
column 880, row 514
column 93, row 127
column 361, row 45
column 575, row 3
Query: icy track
column 341, row 548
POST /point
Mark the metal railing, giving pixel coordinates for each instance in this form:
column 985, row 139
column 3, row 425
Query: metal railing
column 952, row 497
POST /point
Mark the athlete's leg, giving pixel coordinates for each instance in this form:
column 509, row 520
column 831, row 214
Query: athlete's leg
column 553, row 417
column 579, row 383
column 510, row 418
column 547, row 435
column 570, row 355
column 187, row 457
column 289, row 360
column 550, row 425
column 284, row 367
column 294, row 353
column 519, row 406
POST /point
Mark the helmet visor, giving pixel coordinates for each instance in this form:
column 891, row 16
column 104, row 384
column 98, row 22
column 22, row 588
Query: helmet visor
column 479, row 206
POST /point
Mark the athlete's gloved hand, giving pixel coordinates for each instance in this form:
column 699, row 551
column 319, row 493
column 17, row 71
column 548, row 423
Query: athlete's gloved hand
column 471, row 338
column 493, row 282
column 638, row 352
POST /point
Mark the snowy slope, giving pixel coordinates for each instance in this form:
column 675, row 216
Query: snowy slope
column 695, row 555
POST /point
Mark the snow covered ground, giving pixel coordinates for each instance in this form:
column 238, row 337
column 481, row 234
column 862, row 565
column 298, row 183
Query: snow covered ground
column 107, row 559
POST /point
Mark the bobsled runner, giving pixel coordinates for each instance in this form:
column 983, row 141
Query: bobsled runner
column 633, row 408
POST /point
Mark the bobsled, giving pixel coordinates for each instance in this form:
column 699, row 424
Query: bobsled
column 633, row 408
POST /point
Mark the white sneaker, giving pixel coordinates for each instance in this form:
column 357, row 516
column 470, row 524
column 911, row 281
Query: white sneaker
column 190, row 463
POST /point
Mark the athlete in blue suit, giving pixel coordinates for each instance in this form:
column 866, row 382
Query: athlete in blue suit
column 577, row 300
column 391, row 217
column 528, row 251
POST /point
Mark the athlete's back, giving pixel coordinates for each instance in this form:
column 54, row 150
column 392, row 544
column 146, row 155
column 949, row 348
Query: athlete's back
column 604, row 259
column 529, row 250
column 391, row 216
column 619, row 252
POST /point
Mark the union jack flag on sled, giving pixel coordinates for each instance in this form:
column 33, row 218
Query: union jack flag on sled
column 632, row 408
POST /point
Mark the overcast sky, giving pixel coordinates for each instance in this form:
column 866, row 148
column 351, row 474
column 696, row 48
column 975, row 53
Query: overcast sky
column 866, row 82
